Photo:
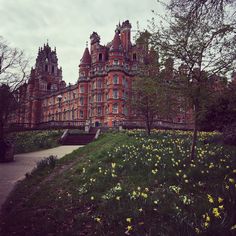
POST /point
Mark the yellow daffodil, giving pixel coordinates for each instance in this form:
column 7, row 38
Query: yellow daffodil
column 220, row 199
column 98, row 219
column 216, row 212
column 210, row 198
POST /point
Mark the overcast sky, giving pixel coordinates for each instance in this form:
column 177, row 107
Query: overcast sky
column 67, row 24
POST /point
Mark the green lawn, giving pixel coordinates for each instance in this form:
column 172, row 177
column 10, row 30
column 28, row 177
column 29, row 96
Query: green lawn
column 130, row 184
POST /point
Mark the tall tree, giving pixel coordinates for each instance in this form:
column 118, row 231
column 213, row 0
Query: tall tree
column 13, row 72
column 200, row 35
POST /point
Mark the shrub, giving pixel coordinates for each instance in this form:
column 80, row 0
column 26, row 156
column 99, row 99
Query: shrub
column 47, row 162
column 35, row 140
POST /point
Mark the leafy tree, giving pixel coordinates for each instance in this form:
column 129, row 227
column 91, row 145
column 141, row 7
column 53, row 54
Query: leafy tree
column 200, row 35
column 13, row 72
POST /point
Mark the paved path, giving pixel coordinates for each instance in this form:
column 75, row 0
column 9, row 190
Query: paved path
column 12, row 172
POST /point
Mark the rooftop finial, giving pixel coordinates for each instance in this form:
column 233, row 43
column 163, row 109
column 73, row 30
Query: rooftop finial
column 47, row 42
column 86, row 44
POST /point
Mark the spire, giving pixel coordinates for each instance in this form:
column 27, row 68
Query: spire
column 86, row 59
column 116, row 43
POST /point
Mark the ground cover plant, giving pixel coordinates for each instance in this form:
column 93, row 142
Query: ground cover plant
column 30, row 141
column 130, row 184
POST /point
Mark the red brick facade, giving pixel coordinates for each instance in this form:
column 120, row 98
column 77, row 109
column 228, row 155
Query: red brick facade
column 102, row 93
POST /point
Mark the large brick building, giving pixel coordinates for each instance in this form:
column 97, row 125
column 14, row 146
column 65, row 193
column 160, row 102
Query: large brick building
column 102, row 93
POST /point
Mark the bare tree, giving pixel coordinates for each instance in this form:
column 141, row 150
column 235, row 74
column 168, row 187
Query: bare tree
column 13, row 73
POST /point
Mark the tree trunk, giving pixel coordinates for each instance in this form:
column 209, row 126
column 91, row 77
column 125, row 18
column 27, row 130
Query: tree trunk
column 2, row 143
column 1, row 130
column 148, row 128
column 195, row 130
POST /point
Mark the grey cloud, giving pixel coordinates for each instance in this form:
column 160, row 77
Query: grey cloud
column 27, row 24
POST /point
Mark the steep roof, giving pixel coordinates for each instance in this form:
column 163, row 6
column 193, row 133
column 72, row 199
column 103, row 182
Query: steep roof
column 86, row 59
column 116, row 43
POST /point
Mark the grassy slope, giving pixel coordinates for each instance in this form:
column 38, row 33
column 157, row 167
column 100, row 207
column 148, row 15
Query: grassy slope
column 128, row 183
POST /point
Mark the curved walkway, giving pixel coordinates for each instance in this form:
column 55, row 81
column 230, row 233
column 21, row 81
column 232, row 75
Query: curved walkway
column 12, row 172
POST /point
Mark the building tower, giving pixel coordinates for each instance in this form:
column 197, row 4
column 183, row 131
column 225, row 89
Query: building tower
column 45, row 79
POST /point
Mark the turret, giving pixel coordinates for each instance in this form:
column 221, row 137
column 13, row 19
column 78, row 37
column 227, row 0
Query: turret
column 47, row 61
column 85, row 64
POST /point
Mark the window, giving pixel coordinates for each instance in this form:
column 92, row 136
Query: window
column 64, row 115
column 115, row 94
column 99, row 111
column 115, row 62
column 81, row 100
column 46, row 68
column 115, row 79
column 99, row 97
column 125, row 110
column 115, row 108
column 124, row 82
column 124, row 95
column 134, row 57
column 52, row 69
column 54, row 87
column 81, row 114
column 100, row 57
column 99, row 83
column 82, row 89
